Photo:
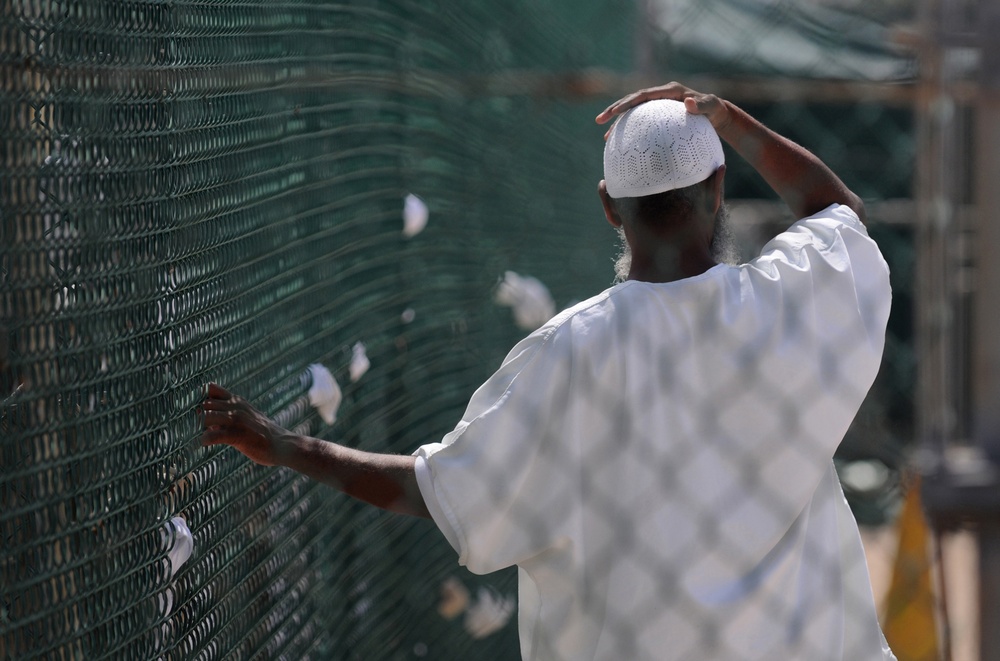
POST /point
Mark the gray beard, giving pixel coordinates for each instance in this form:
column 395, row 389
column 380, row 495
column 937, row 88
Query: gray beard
column 724, row 249
column 624, row 260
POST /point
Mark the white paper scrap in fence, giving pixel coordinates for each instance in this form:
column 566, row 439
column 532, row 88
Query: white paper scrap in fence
column 324, row 394
column 359, row 361
column 182, row 546
column 415, row 214
column 527, row 297
column 490, row 612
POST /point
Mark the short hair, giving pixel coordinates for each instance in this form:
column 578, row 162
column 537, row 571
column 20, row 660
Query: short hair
column 658, row 209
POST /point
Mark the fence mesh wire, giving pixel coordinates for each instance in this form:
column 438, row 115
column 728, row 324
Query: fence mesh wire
column 195, row 191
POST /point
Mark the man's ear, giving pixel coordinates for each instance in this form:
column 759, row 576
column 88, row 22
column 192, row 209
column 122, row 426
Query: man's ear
column 609, row 207
column 716, row 188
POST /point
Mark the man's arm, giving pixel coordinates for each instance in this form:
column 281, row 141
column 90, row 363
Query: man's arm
column 384, row 480
column 803, row 181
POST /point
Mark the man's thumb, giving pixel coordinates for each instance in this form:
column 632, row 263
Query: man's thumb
column 708, row 105
column 692, row 106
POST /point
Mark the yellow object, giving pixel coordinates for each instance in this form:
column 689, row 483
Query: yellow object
column 909, row 622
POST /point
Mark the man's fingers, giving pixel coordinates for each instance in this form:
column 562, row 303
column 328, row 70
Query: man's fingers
column 217, row 419
column 215, row 391
column 215, row 437
column 674, row 91
column 605, row 115
column 218, row 405
column 621, row 105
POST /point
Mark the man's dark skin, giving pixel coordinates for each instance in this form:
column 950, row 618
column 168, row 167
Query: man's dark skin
column 661, row 252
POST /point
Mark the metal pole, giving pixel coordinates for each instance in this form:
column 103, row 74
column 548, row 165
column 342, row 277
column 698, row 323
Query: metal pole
column 935, row 206
column 951, row 158
column 986, row 316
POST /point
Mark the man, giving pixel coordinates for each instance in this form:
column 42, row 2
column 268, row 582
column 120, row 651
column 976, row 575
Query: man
column 657, row 460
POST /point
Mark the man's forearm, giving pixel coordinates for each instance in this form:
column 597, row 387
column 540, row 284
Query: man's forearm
column 801, row 179
column 384, row 480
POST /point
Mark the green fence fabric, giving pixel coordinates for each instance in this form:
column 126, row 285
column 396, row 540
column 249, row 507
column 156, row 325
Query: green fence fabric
column 785, row 38
column 196, row 191
column 199, row 191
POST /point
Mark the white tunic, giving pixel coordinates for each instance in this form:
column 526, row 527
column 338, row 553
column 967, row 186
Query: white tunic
column 657, row 461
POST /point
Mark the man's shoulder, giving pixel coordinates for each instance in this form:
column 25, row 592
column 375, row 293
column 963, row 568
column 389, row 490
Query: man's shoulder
column 836, row 232
column 595, row 307
column 833, row 217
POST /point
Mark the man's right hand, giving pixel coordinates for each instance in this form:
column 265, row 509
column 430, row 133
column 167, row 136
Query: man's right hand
column 801, row 179
column 696, row 103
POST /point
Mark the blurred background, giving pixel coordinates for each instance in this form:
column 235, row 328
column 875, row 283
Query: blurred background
column 213, row 190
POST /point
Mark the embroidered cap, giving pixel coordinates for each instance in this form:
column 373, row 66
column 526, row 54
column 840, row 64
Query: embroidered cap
column 659, row 146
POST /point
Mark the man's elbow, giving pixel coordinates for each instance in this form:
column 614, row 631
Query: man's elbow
column 844, row 197
column 857, row 206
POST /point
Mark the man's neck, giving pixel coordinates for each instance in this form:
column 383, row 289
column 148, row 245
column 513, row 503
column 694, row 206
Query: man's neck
column 665, row 263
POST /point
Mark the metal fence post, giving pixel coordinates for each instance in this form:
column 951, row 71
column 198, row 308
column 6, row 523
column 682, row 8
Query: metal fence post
column 986, row 319
column 952, row 91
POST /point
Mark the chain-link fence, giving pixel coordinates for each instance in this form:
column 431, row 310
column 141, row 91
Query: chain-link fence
column 196, row 191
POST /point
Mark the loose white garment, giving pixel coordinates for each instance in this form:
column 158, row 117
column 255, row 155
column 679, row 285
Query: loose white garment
column 657, row 461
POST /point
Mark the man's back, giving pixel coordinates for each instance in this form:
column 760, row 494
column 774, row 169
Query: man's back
column 657, row 461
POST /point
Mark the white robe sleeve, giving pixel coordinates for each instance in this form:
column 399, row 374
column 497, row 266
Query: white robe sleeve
column 848, row 279
column 821, row 296
column 488, row 484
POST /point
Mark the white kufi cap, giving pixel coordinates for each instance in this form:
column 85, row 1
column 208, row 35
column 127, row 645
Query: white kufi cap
column 659, row 146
